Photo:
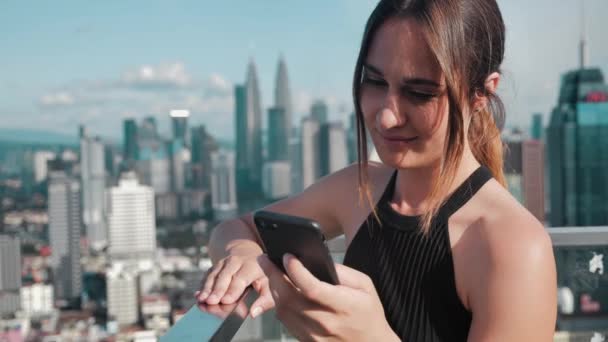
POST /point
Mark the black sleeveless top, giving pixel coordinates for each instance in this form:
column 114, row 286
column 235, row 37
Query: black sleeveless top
column 414, row 274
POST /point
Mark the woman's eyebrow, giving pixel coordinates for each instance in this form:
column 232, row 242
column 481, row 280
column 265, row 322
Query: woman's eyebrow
column 406, row 80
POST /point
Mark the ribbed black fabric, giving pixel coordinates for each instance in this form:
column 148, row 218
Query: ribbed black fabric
column 413, row 273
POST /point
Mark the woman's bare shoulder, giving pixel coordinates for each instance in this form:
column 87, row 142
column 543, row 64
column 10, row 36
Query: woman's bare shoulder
column 510, row 267
column 505, row 235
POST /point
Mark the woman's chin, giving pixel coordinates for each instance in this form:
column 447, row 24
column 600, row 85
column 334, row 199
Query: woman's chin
column 402, row 160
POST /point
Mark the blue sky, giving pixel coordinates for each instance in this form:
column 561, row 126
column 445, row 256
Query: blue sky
column 70, row 62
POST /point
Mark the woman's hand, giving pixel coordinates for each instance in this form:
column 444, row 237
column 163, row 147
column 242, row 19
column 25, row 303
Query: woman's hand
column 314, row 310
column 229, row 277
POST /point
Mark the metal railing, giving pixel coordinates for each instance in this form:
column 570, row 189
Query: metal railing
column 579, row 255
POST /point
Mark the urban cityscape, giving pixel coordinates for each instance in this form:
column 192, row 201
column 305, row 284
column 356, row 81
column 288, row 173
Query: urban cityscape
column 106, row 240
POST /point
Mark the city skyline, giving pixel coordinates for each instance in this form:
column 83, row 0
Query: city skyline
column 191, row 67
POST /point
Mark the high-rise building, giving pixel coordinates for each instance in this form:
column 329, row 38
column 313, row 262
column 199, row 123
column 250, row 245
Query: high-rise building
column 223, row 185
column 148, row 129
column 295, row 157
column 533, row 177
column 122, row 295
column 351, row 139
column 65, row 224
column 10, row 274
column 93, row 181
column 310, row 151
column 167, row 206
column 41, row 158
column 536, row 131
column 276, row 180
column 282, row 97
column 577, row 143
column 278, row 146
column 248, row 108
column 112, row 160
column 333, row 154
column 513, row 164
column 203, row 144
column 130, row 139
column 319, row 111
column 155, row 173
column 37, row 299
column 179, row 125
column 179, row 158
column 131, row 221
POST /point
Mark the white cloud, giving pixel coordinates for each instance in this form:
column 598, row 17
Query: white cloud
column 61, row 98
column 162, row 75
column 218, row 85
column 144, row 91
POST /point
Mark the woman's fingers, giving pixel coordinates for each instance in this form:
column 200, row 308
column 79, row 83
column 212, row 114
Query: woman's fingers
column 209, row 281
column 223, row 280
column 264, row 302
column 240, row 280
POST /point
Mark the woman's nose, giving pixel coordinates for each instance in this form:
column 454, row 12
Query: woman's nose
column 388, row 118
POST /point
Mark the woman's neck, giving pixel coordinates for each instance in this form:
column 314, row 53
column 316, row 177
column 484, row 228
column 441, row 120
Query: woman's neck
column 413, row 186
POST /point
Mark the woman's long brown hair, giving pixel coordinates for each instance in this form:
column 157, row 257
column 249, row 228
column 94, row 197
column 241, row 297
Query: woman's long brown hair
column 467, row 38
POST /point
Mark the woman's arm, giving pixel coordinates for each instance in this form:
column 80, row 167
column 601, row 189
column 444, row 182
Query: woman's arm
column 235, row 244
column 514, row 292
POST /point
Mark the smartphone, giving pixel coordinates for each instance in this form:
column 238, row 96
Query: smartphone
column 298, row 236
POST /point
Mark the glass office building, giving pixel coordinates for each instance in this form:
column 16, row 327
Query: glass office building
column 577, row 145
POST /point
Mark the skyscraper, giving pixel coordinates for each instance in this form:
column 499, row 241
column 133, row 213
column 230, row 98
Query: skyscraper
column 513, row 164
column 295, row 157
column 333, row 154
column 203, row 144
column 248, row 108
column 122, row 295
column 40, row 160
column 10, row 274
column 533, row 177
column 319, row 111
column 93, row 180
column 276, row 180
column 310, row 151
column 282, row 96
column 278, row 146
column 148, row 128
column 65, row 224
column 179, row 156
column 179, row 124
column 131, row 223
column 577, row 144
column 537, row 126
column 130, row 139
column 223, row 185
column 156, row 173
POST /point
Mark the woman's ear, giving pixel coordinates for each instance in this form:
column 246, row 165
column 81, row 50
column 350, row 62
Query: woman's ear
column 491, row 84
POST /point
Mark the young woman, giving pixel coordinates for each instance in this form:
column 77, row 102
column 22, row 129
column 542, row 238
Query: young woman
column 438, row 250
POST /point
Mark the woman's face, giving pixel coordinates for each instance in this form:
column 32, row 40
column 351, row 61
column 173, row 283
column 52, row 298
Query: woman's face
column 403, row 97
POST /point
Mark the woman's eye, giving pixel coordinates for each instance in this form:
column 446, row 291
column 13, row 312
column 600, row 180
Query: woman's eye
column 419, row 95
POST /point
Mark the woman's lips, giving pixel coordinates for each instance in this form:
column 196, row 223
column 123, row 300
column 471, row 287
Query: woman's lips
column 396, row 142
